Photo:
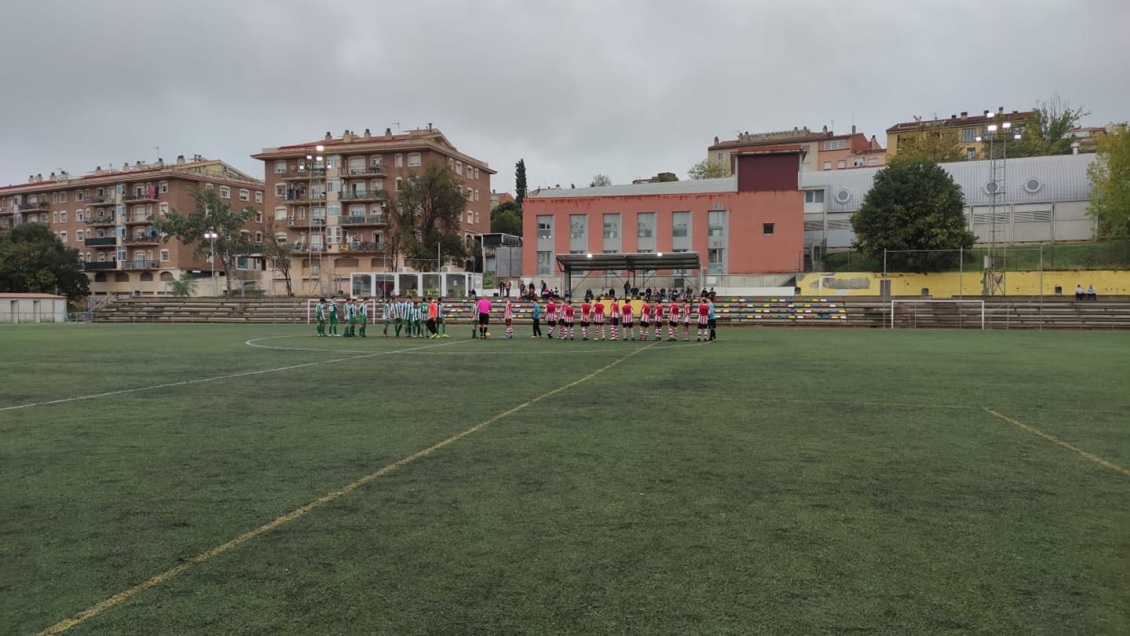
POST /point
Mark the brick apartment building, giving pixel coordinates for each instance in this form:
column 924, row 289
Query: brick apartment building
column 823, row 150
column 748, row 229
column 969, row 128
column 108, row 216
column 329, row 199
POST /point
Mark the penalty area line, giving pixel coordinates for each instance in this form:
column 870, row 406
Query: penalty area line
column 1055, row 440
column 301, row 511
column 242, row 374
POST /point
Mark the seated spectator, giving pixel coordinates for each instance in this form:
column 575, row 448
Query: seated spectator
column 1091, row 295
column 1078, row 292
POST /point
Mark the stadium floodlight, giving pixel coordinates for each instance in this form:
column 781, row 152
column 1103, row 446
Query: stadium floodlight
column 660, row 254
column 211, row 235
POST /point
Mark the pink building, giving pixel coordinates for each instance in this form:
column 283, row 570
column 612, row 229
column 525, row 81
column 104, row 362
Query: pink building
column 744, row 226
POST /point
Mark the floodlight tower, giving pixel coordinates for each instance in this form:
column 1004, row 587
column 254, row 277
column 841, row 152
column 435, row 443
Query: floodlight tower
column 315, row 167
column 995, row 133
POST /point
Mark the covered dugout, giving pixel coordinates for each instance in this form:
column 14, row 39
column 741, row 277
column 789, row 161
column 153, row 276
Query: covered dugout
column 639, row 268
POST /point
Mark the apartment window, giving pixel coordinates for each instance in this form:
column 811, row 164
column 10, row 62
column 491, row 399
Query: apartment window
column 476, row 194
column 281, row 238
column 258, row 237
column 970, row 154
column 716, row 260
column 208, row 187
column 545, row 263
column 377, row 185
column 399, row 160
column 396, row 184
column 476, row 173
column 225, row 192
column 611, row 226
column 470, row 194
column 54, row 217
column 280, row 190
column 470, row 216
column 79, row 235
column 545, row 227
column 164, row 187
column 873, row 161
column 164, row 256
column 450, row 163
column 62, row 197
column 333, row 161
column 80, row 215
column 813, row 196
column 280, row 166
column 63, row 216
column 258, row 196
column 280, row 213
column 413, row 160
column 357, row 210
column 645, row 225
column 80, row 195
column 258, row 216
column 720, row 157
column 578, row 226
column 767, row 229
column 968, row 135
column 680, row 224
column 335, row 209
column 459, row 167
column 244, row 194
column 470, row 171
column 62, row 237
column 841, row 164
column 99, row 192
column 476, row 218
column 376, row 161
column 356, row 165
column 716, row 223
column 827, row 165
column 835, row 144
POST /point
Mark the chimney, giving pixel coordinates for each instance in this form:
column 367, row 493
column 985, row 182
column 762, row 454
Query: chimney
column 160, row 163
column 39, row 177
column 31, row 178
column 716, row 140
column 964, row 114
column 853, row 129
column 388, row 132
column 1000, row 110
column 368, row 134
column 429, row 126
column 986, row 113
column 329, row 137
column 825, row 129
column 180, row 160
column 98, row 170
column 52, row 177
column 125, row 167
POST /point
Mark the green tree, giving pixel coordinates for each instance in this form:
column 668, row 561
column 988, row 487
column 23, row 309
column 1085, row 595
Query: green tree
column 933, row 142
column 913, row 207
column 520, row 181
column 709, row 169
column 428, row 209
column 211, row 215
column 1110, row 184
column 600, row 181
column 1048, row 132
column 183, row 285
column 506, row 218
column 33, row 260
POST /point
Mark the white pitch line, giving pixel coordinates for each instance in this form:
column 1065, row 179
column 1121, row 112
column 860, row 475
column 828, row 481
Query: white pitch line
column 222, row 377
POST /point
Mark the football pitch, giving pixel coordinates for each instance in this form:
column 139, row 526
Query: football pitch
column 259, row 479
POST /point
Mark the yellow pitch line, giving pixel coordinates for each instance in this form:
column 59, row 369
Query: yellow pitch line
column 1055, row 440
column 128, row 593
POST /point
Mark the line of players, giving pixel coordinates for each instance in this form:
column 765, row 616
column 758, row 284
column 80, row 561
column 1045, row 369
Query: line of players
column 561, row 315
column 401, row 313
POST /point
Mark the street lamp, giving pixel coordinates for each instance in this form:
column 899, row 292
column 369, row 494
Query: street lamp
column 994, row 133
column 211, row 235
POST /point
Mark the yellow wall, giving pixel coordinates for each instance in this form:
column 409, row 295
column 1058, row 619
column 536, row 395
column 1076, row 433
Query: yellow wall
column 1107, row 283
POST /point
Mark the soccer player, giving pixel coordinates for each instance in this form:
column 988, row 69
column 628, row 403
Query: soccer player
column 508, row 316
column 568, row 313
column 551, row 316
column 363, row 315
column 350, row 318
column 398, row 314
column 673, row 320
column 418, row 311
column 614, row 315
column 657, row 314
column 703, row 320
column 688, row 311
column 598, row 319
column 441, row 322
column 333, row 317
column 433, row 316
column 484, row 316
column 586, row 313
column 386, row 314
column 320, row 316
column 645, row 319
column 626, row 319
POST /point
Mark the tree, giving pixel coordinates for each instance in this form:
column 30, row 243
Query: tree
column 913, row 205
column 506, row 218
column 211, row 215
column 933, row 142
column 428, row 209
column 182, row 286
column 709, row 169
column 600, row 181
column 520, row 181
column 33, row 260
column 1110, row 184
column 277, row 254
column 1049, row 130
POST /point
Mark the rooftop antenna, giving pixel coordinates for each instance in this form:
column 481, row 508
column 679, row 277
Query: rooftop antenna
column 397, row 124
column 158, row 149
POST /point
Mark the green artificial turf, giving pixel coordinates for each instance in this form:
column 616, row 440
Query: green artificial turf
column 775, row 481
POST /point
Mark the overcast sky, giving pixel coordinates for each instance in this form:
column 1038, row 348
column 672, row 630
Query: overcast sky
column 626, row 88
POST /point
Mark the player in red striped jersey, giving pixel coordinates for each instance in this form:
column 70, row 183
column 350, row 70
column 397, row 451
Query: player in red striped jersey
column 626, row 318
column 645, row 319
column 703, row 320
column 614, row 316
column 687, row 312
column 598, row 319
column 567, row 314
column 673, row 320
column 586, row 314
column 551, row 316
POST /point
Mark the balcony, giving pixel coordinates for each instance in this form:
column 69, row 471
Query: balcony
column 135, row 197
column 101, row 200
column 370, row 219
column 304, row 174
column 139, row 218
column 32, row 207
column 365, row 171
column 101, row 221
column 316, row 222
column 101, row 241
column 142, row 264
column 361, row 248
column 142, row 240
column 91, row 266
column 372, row 195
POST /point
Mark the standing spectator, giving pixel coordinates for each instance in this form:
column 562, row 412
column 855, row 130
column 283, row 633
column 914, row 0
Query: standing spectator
column 508, row 289
column 627, row 289
column 508, row 317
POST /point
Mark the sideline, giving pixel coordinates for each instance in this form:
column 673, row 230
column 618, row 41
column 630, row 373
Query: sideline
column 243, row 374
column 1055, row 440
column 301, row 511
